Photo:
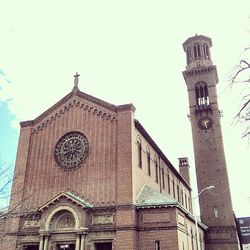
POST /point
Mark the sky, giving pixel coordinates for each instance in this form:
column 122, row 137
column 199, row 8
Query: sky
column 126, row 52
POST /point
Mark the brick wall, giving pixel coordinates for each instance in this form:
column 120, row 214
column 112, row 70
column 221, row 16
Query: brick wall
column 94, row 180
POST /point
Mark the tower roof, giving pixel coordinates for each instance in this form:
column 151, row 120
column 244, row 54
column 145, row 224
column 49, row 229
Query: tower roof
column 195, row 39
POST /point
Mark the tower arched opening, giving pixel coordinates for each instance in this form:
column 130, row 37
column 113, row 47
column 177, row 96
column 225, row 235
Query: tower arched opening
column 201, row 93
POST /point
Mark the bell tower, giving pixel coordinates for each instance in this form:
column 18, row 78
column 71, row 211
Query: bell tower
column 215, row 205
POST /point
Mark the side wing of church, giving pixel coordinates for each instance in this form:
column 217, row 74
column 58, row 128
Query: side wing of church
column 90, row 177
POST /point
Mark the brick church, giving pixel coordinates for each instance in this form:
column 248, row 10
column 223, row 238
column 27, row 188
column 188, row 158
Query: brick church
column 90, row 177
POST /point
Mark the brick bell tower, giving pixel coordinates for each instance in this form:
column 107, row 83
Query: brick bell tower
column 215, row 205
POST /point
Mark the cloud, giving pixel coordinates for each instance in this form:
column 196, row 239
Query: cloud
column 6, row 97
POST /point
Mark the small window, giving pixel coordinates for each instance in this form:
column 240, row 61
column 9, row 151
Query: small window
column 157, row 245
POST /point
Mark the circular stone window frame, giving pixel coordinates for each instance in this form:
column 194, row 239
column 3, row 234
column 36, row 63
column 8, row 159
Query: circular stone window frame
column 61, row 142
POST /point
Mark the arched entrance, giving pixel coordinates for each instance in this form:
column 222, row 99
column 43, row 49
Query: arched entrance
column 62, row 224
column 62, row 230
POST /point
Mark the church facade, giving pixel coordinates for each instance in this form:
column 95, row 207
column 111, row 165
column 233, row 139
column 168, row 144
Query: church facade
column 90, row 177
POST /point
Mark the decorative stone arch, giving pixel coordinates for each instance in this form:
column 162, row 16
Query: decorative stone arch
column 58, row 209
column 56, row 226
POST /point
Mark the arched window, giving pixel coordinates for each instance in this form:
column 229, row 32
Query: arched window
column 178, row 193
column 200, row 242
column 188, row 55
column 156, row 171
column 148, row 162
column 206, row 51
column 186, row 205
column 139, row 153
column 198, row 51
column 190, row 204
column 168, row 183
column 201, row 93
column 163, row 177
column 195, row 52
column 192, row 239
column 173, row 189
column 205, row 91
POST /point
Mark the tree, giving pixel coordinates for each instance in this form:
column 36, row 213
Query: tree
column 241, row 75
column 6, row 174
column 7, row 177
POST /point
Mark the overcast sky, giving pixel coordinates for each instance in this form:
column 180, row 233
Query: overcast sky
column 126, row 52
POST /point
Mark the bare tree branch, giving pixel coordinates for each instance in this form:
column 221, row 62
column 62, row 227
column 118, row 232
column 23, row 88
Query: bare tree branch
column 239, row 70
column 241, row 74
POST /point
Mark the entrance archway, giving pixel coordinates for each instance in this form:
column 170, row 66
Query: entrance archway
column 62, row 224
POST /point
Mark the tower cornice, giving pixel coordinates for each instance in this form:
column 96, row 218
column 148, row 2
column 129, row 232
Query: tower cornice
column 200, row 71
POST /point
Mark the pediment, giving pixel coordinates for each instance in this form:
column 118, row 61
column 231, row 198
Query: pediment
column 76, row 98
column 70, row 196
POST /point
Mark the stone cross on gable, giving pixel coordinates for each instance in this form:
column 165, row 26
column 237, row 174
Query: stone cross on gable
column 76, row 80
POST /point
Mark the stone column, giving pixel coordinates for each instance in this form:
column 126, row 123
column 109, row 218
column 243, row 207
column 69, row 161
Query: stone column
column 83, row 242
column 46, row 242
column 41, row 243
column 78, row 241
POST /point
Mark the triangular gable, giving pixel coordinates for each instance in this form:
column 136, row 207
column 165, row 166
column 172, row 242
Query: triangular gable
column 149, row 197
column 64, row 100
column 70, row 196
column 88, row 102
